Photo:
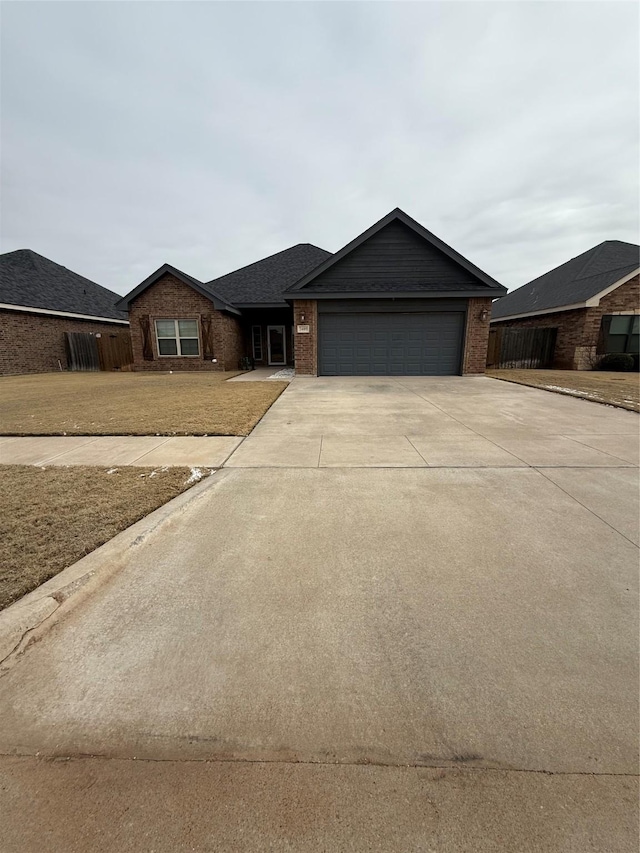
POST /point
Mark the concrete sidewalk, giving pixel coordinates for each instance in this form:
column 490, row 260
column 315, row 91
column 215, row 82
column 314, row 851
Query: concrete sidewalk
column 210, row 451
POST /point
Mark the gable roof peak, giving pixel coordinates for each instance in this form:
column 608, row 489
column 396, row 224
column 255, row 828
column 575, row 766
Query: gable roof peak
column 417, row 228
column 200, row 287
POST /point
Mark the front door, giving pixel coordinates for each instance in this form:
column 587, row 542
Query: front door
column 277, row 345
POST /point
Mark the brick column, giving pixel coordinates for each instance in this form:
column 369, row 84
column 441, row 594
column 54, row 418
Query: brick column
column 476, row 336
column 305, row 313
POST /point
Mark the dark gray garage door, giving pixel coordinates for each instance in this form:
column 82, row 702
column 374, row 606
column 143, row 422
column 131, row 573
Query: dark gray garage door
column 390, row 344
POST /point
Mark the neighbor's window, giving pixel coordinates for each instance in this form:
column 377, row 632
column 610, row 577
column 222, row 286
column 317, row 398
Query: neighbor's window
column 177, row 337
column 620, row 332
column 256, row 337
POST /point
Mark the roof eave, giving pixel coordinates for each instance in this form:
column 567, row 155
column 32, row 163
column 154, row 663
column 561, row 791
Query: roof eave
column 592, row 302
column 389, row 294
column 254, row 305
column 576, row 306
column 71, row 315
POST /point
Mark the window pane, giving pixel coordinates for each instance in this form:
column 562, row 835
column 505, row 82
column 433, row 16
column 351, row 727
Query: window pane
column 616, row 343
column 635, row 329
column 166, row 328
column 189, row 346
column 188, row 328
column 167, row 346
column 633, row 343
column 619, row 325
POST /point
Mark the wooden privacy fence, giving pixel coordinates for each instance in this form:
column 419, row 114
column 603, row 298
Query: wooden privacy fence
column 114, row 350
column 521, row 348
column 100, row 351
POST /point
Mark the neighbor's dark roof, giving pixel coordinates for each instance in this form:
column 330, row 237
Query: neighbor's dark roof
column 572, row 283
column 30, row 280
column 264, row 281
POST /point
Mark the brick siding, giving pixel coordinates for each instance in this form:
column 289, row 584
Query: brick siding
column 171, row 299
column 579, row 330
column 306, row 343
column 34, row 343
column 476, row 336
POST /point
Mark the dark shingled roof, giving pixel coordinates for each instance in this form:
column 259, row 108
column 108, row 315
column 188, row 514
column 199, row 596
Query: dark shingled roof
column 30, row 280
column 572, row 283
column 264, row 281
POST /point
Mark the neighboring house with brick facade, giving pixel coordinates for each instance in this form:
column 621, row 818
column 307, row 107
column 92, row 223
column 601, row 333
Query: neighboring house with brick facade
column 394, row 301
column 592, row 302
column 40, row 301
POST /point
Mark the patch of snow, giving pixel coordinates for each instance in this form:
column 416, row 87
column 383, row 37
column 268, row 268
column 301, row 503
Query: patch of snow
column 285, row 373
column 573, row 391
column 195, row 476
column 159, row 470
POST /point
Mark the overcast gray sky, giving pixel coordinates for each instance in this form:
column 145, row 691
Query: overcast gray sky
column 209, row 135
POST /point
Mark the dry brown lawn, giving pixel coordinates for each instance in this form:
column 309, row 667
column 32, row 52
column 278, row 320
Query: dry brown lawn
column 602, row 386
column 51, row 517
column 133, row 404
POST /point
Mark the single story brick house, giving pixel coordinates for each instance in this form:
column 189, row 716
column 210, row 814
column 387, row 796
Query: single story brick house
column 592, row 301
column 40, row 301
column 394, row 301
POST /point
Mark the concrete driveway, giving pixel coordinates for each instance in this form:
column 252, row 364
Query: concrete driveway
column 402, row 617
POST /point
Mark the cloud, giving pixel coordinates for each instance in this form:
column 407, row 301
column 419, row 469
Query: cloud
column 211, row 135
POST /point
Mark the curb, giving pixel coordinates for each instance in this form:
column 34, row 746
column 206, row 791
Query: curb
column 28, row 619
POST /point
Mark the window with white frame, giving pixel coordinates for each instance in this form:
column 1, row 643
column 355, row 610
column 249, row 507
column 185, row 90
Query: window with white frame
column 256, row 337
column 177, row 337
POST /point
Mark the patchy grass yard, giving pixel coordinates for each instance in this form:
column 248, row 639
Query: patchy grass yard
column 603, row 386
column 133, row 404
column 51, row 517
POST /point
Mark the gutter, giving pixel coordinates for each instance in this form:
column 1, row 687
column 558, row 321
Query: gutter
column 4, row 306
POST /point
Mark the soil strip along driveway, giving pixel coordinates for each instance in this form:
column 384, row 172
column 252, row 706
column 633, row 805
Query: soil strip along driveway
column 402, row 617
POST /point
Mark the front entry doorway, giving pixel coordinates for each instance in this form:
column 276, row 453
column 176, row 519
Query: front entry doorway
column 277, row 345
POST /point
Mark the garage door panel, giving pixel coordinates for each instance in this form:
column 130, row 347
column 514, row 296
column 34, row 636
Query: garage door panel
column 394, row 344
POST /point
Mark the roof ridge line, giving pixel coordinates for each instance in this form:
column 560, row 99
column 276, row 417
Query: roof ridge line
column 594, row 253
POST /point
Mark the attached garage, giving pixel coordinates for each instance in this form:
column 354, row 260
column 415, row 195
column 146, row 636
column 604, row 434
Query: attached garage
column 380, row 338
column 396, row 301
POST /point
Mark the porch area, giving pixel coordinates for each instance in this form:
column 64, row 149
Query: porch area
column 268, row 334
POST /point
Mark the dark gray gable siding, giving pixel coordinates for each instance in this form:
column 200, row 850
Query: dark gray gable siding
column 395, row 259
column 573, row 282
column 31, row 280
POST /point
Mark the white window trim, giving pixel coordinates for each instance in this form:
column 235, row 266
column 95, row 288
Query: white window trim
column 179, row 354
column 253, row 343
column 26, row 309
